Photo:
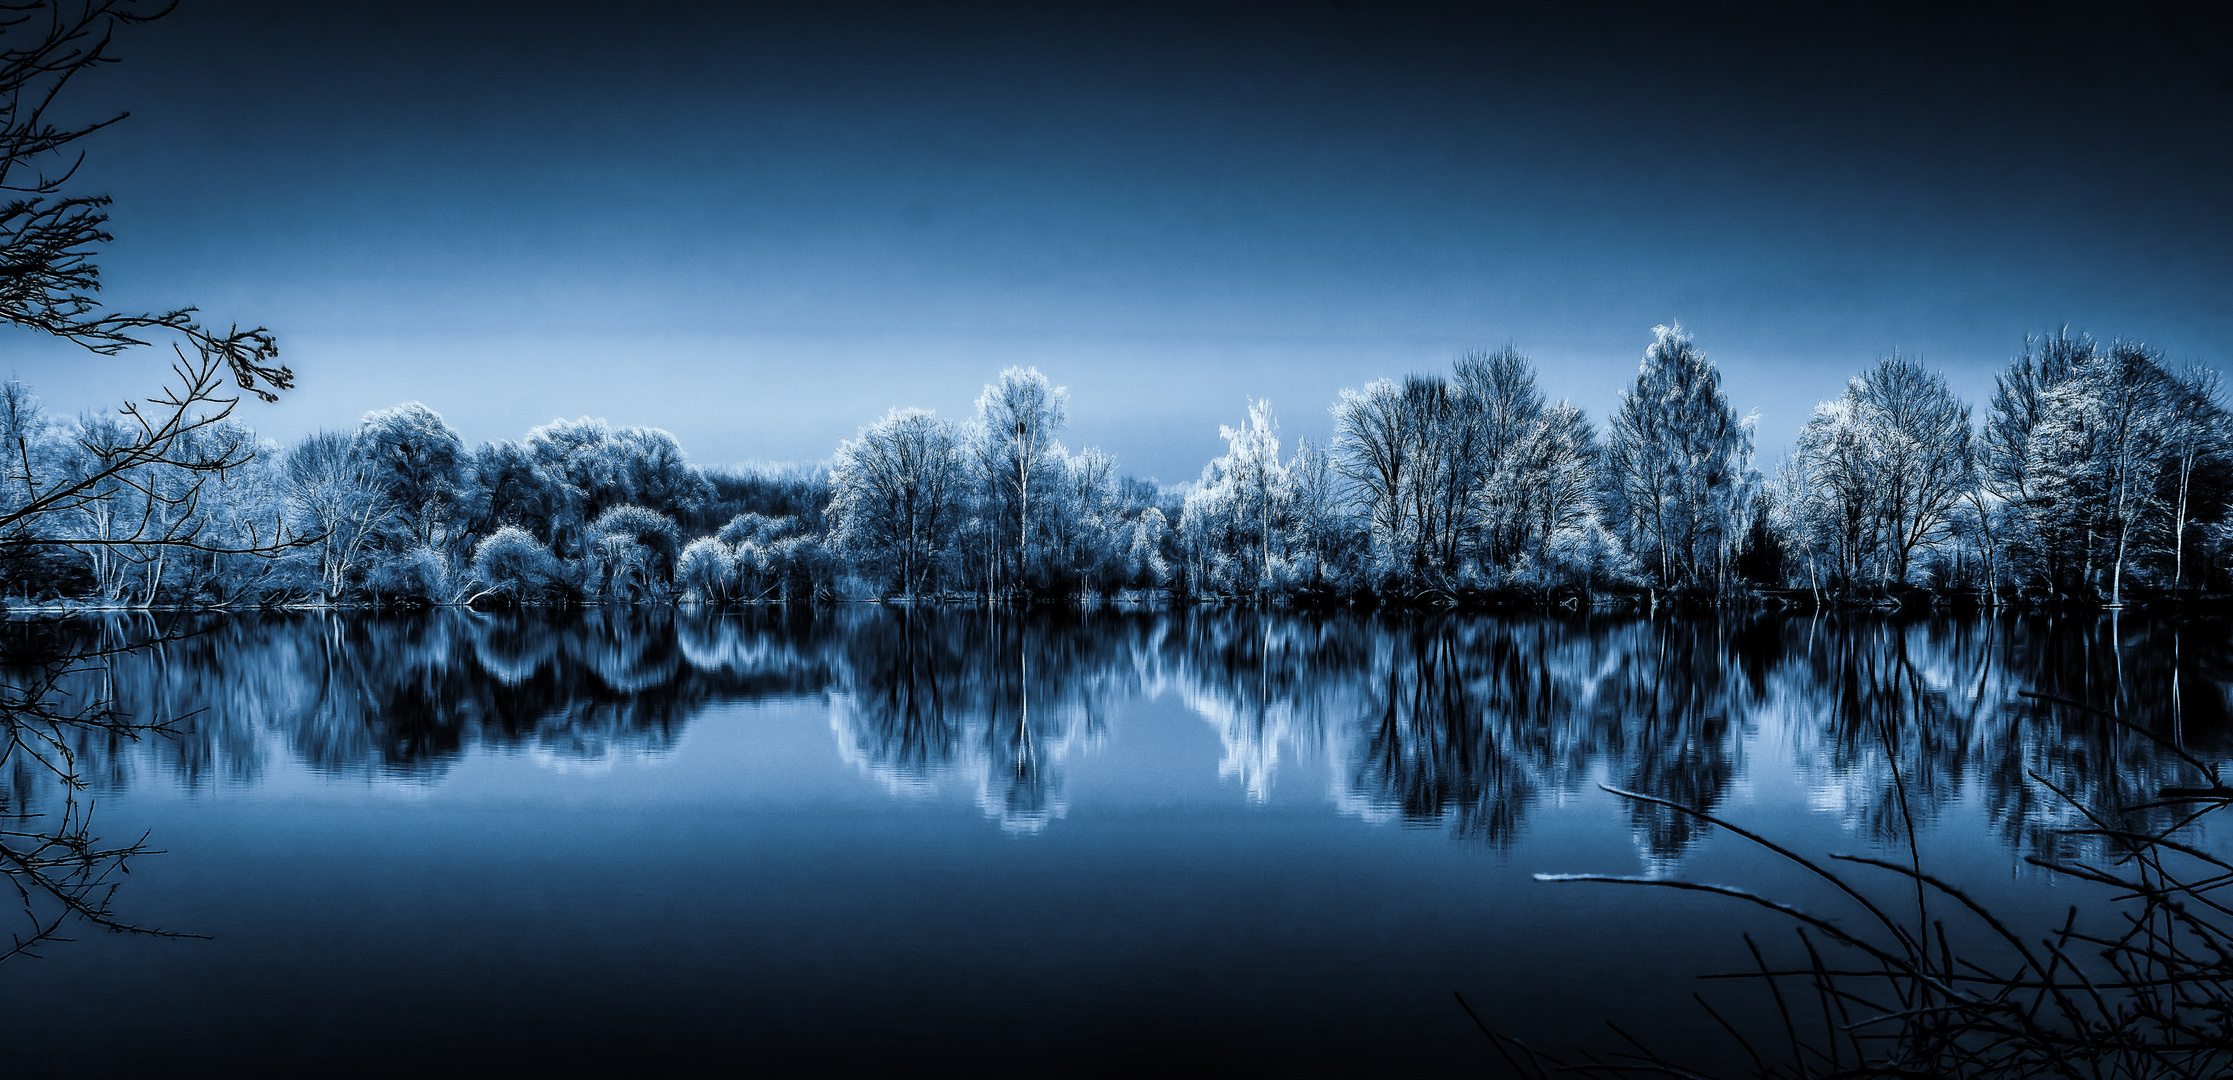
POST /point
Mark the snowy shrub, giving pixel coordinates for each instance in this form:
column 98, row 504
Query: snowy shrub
column 421, row 574
column 634, row 549
column 708, row 568
column 512, row 565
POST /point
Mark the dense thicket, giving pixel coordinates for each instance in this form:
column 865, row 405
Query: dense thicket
column 2096, row 474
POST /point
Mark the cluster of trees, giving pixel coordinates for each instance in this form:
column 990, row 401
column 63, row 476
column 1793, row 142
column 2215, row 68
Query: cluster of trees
column 993, row 507
column 2097, row 471
column 1440, row 489
column 399, row 510
column 1435, row 489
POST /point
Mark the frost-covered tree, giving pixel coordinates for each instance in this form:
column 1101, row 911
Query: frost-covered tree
column 1013, row 446
column 1836, row 492
column 1144, row 563
column 337, row 498
column 760, row 529
column 510, row 564
column 2009, row 468
column 1806, row 526
column 1235, row 525
column 2096, row 452
column 778, row 558
column 118, row 505
column 1678, row 467
column 2092, row 454
column 656, row 473
column 576, row 457
column 1434, row 423
column 1554, row 472
column 243, row 520
column 27, row 444
column 1402, row 446
column 1920, row 439
column 1087, row 533
column 589, row 467
column 32, row 447
column 1887, row 465
column 413, row 576
column 1375, row 451
column 634, row 548
column 1261, row 489
column 1491, row 474
column 1206, row 536
column 2197, row 439
column 423, row 465
column 1324, row 537
column 707, row 569
column 899, row 488
column 1463, row 479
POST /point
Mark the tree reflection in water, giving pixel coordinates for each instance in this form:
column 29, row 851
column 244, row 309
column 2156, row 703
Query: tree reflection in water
column 1000, row 699
column 1467, row 723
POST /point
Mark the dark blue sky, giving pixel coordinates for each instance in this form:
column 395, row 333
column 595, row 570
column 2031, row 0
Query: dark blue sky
column 761, row 228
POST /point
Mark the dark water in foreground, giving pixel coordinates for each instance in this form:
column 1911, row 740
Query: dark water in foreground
column 960, row 842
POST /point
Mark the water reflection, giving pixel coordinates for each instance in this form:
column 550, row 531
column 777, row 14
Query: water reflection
column 925, row 696
column 1469, row 724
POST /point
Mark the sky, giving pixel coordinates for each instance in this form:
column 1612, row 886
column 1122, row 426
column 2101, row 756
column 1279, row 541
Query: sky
column 761, row 227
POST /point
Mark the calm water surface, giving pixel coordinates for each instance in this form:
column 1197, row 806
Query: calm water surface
column 954, row 842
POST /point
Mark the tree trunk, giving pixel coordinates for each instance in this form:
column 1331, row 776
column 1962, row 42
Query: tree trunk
column 2178, row 531
column 1985, row 529
column 2116, row 573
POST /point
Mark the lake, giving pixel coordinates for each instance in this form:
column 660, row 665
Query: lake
column 949, row 840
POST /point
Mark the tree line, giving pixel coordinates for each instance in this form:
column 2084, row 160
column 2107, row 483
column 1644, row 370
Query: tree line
column 2098, row 474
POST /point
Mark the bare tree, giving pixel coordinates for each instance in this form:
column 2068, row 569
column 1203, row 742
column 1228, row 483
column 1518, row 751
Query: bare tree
column 1017, row 419
column 2195, row 434
column 1260, row 484
column 898, row 488
column 1921, row 441
column 1374, row 452
column 159, row 454
column 338, row 493
column 1887, row 464
column 2010, row 466
column 1678, row 465
column 1501, row 410
column 50, row 240
column 1557, row 470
